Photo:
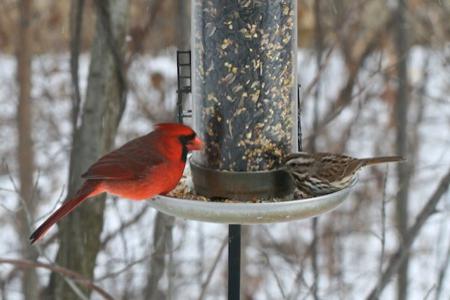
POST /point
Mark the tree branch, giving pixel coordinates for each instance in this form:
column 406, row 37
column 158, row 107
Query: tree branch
column 345, row 96
column 143, row 33
column 124, row 226
column 76, row 21
column 402, row 253
column 104, row 13
column 23, row 263
column 205, row 284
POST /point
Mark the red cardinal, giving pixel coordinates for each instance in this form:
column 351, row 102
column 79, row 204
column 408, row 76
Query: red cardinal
column 142, row 168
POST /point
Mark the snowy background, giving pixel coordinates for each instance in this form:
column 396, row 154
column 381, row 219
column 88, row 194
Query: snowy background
column 350, row 236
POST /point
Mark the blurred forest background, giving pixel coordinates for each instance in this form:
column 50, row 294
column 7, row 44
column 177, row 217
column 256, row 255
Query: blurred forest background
column 80, row 77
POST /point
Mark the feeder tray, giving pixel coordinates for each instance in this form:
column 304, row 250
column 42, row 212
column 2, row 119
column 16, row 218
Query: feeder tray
column 250, row 213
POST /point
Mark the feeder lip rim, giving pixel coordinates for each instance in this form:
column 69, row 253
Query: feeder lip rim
column 267, row 203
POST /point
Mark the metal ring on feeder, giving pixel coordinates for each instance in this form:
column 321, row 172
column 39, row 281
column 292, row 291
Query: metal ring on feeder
column 255, row 185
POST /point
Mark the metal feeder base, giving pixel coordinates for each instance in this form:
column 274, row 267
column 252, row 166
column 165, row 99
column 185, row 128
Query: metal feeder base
column 241, row 186
column 247, row 212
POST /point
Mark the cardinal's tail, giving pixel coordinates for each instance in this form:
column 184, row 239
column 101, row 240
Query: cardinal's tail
column 89, row 188
column 381, row 159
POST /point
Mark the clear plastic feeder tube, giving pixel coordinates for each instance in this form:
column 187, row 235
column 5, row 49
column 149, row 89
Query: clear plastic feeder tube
column 244, row 82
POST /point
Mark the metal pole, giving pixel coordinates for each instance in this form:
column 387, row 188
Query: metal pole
column 299, row 118
column 234, row 261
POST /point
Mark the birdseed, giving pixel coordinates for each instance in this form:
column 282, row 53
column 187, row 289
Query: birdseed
column 244, row 84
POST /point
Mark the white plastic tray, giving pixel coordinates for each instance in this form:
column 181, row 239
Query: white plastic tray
column 250, row 213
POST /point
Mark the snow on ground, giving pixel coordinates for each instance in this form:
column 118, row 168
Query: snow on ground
column 196, row 244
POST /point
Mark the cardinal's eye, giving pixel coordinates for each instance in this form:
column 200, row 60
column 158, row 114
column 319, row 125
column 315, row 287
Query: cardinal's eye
column 184, row 139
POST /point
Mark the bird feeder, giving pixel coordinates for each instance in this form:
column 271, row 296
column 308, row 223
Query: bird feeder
column 244, row 106
column 241, row 72
column 244, row 96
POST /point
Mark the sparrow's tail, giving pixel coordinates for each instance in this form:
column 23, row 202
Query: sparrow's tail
column 381, row 159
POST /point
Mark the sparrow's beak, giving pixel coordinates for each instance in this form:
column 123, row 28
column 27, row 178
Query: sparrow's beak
column 195, row 144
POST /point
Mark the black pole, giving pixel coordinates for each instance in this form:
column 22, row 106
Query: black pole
column 234, row 261
column 299, row 118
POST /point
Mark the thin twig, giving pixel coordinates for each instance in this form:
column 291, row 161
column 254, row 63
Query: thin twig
column 124, row 269
column 23, row 202
column 430, row 290
column 205, row 284
column 315, row 257
column 294, row 262
column 155, row 7
column 59, row 200
column 443, row 273
column 275, row 275
column 201, row 253
column 346, row 94
column 399, row 256
column 39, row 250
column 383, row 222
column 326, row 59
column 22, row 263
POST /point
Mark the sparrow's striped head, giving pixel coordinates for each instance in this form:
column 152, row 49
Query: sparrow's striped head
column 298, row 161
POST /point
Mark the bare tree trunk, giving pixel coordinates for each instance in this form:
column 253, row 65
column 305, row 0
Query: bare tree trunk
column 318, row 39
column 162, row 235
column 162, row 242
column 103, row 108
column 76, row 22
column 401, row 112
column 25, row 146
column 246, row 232
column 183, row 25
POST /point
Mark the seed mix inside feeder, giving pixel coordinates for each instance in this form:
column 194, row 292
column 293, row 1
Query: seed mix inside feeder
column 244, row 96
column 244, row 91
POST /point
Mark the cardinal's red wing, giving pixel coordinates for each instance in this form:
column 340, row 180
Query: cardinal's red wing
column 114, row 168
column 131, row 161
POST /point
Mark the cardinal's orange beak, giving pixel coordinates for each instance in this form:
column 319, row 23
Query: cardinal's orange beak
column 195, row 144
